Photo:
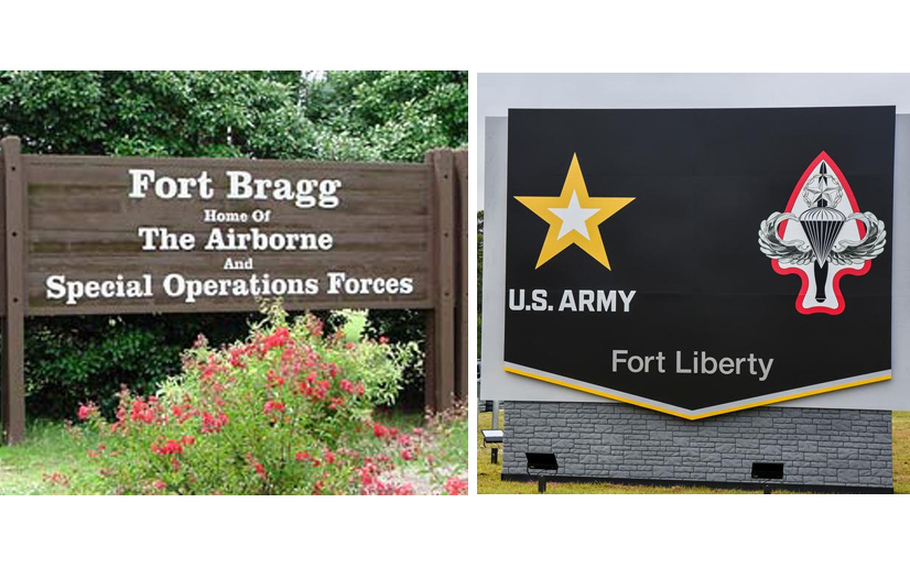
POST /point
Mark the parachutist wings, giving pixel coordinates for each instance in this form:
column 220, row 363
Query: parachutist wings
column 867, row 248
column 790, row 252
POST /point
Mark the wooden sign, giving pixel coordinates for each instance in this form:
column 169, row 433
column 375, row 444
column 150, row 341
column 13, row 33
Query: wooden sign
column 103, row 235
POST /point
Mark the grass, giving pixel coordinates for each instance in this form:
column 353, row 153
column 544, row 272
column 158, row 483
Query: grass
column 489, row 475
column 48, row 448
column 900, row 431
column 451, row 432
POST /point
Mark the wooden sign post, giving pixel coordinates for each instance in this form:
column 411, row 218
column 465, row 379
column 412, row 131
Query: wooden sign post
column 102, row 235
column 12, row 390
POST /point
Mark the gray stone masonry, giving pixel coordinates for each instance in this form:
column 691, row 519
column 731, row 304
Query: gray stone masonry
column 817, row 446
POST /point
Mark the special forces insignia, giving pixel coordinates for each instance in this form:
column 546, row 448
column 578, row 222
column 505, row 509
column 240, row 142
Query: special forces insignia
column 821, row 236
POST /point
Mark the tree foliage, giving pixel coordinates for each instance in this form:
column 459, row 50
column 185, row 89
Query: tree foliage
column 347, row 115
column 391, row 116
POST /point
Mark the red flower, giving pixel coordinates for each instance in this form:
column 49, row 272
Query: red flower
column 142, row 412
column 379, row 430
column 212, row 424
column 257, row 467
column 328, row 456
column 315, row 327
column 274, row 380
column 238, row 352
column 456, row 486
column 57, row 478
column 189, row 440
column 407, row 455
column 302, row 456
column 183, row 413
column 273, row 406
column 209, row 369
column 159, row 484
column 278, row 339
column 169, row 447
column 346, row 385
column 383, row 340
column 86, row 410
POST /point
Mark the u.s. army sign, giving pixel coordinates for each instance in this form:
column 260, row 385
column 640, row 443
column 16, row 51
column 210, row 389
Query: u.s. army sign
column 700, row 261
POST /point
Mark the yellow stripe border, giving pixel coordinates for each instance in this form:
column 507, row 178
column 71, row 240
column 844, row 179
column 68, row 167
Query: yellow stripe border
column 698, row 416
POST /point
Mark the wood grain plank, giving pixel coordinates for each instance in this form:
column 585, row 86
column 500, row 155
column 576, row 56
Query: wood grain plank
column 84, row 225
column 2, row 234
column 12, row 382
column 444, row 314
column 460, row 259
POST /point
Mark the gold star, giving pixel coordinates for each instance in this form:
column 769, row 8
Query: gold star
column 574, row 217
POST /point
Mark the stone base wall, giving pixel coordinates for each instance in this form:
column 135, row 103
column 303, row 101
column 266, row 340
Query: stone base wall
column 818, row 447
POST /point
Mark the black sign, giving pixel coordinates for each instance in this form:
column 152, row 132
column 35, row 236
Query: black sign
column 700, row 261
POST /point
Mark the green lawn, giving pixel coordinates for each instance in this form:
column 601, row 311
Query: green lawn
column 900, row 430
column 489, row 481
column 49, row 448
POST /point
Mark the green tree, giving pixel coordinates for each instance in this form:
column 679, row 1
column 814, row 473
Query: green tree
column 171, row 113
column 391, row 115
column 361, row 115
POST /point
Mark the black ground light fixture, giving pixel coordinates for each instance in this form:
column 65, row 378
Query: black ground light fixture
column 541, row 463
column 492, row 437
column 766, row 472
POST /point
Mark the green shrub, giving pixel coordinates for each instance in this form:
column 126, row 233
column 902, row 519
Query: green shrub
column 404, row 327
column 78, row 358
column 73, row 359
column 289, row 411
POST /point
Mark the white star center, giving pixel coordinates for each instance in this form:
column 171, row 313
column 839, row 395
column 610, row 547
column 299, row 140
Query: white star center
column 573, row 217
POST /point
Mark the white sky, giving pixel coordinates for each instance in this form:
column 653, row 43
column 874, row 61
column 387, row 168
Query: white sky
column 497, row 92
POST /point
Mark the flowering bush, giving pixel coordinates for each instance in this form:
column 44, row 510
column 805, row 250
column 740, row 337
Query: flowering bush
column 290, row 411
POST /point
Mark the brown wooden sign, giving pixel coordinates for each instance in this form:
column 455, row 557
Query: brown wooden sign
column 103, row 235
